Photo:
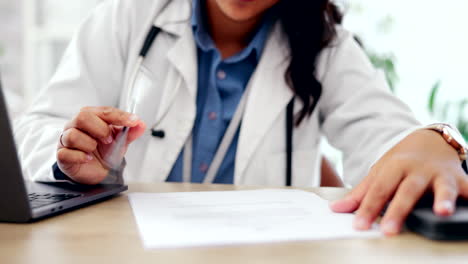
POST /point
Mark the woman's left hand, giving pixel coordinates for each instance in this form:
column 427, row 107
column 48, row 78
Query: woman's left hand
column 422, row 161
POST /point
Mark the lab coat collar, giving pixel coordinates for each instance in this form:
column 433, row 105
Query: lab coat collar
column 174, row 16
column 183, row 57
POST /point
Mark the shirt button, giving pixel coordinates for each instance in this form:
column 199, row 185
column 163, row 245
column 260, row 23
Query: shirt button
column 212, row 116
column 203, row 167
column 221, row 75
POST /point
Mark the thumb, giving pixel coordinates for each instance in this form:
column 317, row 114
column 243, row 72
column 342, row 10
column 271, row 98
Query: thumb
column 111, row 155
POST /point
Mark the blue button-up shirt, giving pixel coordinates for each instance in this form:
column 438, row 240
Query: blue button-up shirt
column 221, row 83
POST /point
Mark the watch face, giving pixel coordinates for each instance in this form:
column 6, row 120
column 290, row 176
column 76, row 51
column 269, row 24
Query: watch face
column 457, row 137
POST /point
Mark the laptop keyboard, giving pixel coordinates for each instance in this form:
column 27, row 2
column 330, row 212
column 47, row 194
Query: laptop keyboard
column 42, row 199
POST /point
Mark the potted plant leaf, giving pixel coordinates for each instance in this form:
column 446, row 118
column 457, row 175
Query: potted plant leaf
column 456, row 109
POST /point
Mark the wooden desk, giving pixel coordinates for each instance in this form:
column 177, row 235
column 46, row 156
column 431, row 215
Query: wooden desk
column 107, row 233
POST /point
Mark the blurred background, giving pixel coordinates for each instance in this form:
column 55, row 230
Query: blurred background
column 420, row 44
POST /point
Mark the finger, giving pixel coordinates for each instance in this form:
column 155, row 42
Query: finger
column 406, row 197
column 136, row 132
column 71, row 156
column 445, row 194
column 353, row 199
column 76, row 139
column 113, row 116
column 92, row 125
column 377, row 197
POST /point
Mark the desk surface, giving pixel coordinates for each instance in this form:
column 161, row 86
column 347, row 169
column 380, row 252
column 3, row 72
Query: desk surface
column 107, row 233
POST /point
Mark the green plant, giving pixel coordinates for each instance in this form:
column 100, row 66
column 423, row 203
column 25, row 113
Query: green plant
column 456, row 108
column 386, row 62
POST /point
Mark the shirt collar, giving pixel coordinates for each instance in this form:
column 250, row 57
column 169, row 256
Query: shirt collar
column 205, row 42
column 202, row 37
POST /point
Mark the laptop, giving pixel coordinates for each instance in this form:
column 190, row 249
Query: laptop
column 24, row 201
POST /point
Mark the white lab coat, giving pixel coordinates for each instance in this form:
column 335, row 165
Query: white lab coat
column 356, row 112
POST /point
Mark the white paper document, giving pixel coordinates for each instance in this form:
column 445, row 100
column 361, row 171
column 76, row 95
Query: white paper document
column 194, row 219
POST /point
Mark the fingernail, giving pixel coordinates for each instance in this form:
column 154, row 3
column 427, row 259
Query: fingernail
column 133, row 117
column 89, row 157
column 108, row 140
column 445, row 206
column 390, row 227
column 361, row 223
column 345, row 199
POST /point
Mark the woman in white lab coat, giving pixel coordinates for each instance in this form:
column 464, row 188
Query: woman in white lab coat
column 303, row 55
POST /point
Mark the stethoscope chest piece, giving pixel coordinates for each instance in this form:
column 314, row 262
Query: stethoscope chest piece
column 158, row 133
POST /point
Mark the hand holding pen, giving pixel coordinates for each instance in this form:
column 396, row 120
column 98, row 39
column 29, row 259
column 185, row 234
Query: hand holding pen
column 92, row 142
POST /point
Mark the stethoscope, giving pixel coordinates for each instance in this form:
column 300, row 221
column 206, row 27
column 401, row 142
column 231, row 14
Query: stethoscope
column 147, row 44
column 230, row 131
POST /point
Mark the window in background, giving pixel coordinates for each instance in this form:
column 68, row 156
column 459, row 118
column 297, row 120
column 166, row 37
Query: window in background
column 11, row 54
column 49, row 26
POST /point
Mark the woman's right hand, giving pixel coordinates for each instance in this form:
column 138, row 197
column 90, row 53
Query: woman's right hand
column 87, row 140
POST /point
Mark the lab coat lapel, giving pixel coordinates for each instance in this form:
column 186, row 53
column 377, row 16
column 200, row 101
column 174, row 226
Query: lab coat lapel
column 177, row 111
column 268, row 98
column 182, row 56
column 178, row 99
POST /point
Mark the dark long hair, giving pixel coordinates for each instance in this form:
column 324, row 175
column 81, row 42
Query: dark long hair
column 310, row 27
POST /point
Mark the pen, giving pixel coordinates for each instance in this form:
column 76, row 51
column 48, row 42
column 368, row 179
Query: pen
column 115, row 155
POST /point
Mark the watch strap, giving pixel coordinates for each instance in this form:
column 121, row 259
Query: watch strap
column 460, row 147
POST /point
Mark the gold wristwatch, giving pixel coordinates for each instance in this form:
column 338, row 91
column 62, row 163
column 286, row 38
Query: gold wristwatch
column 453, row 138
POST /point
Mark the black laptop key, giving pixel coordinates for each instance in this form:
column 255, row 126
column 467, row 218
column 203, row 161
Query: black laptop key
column 42, row 199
